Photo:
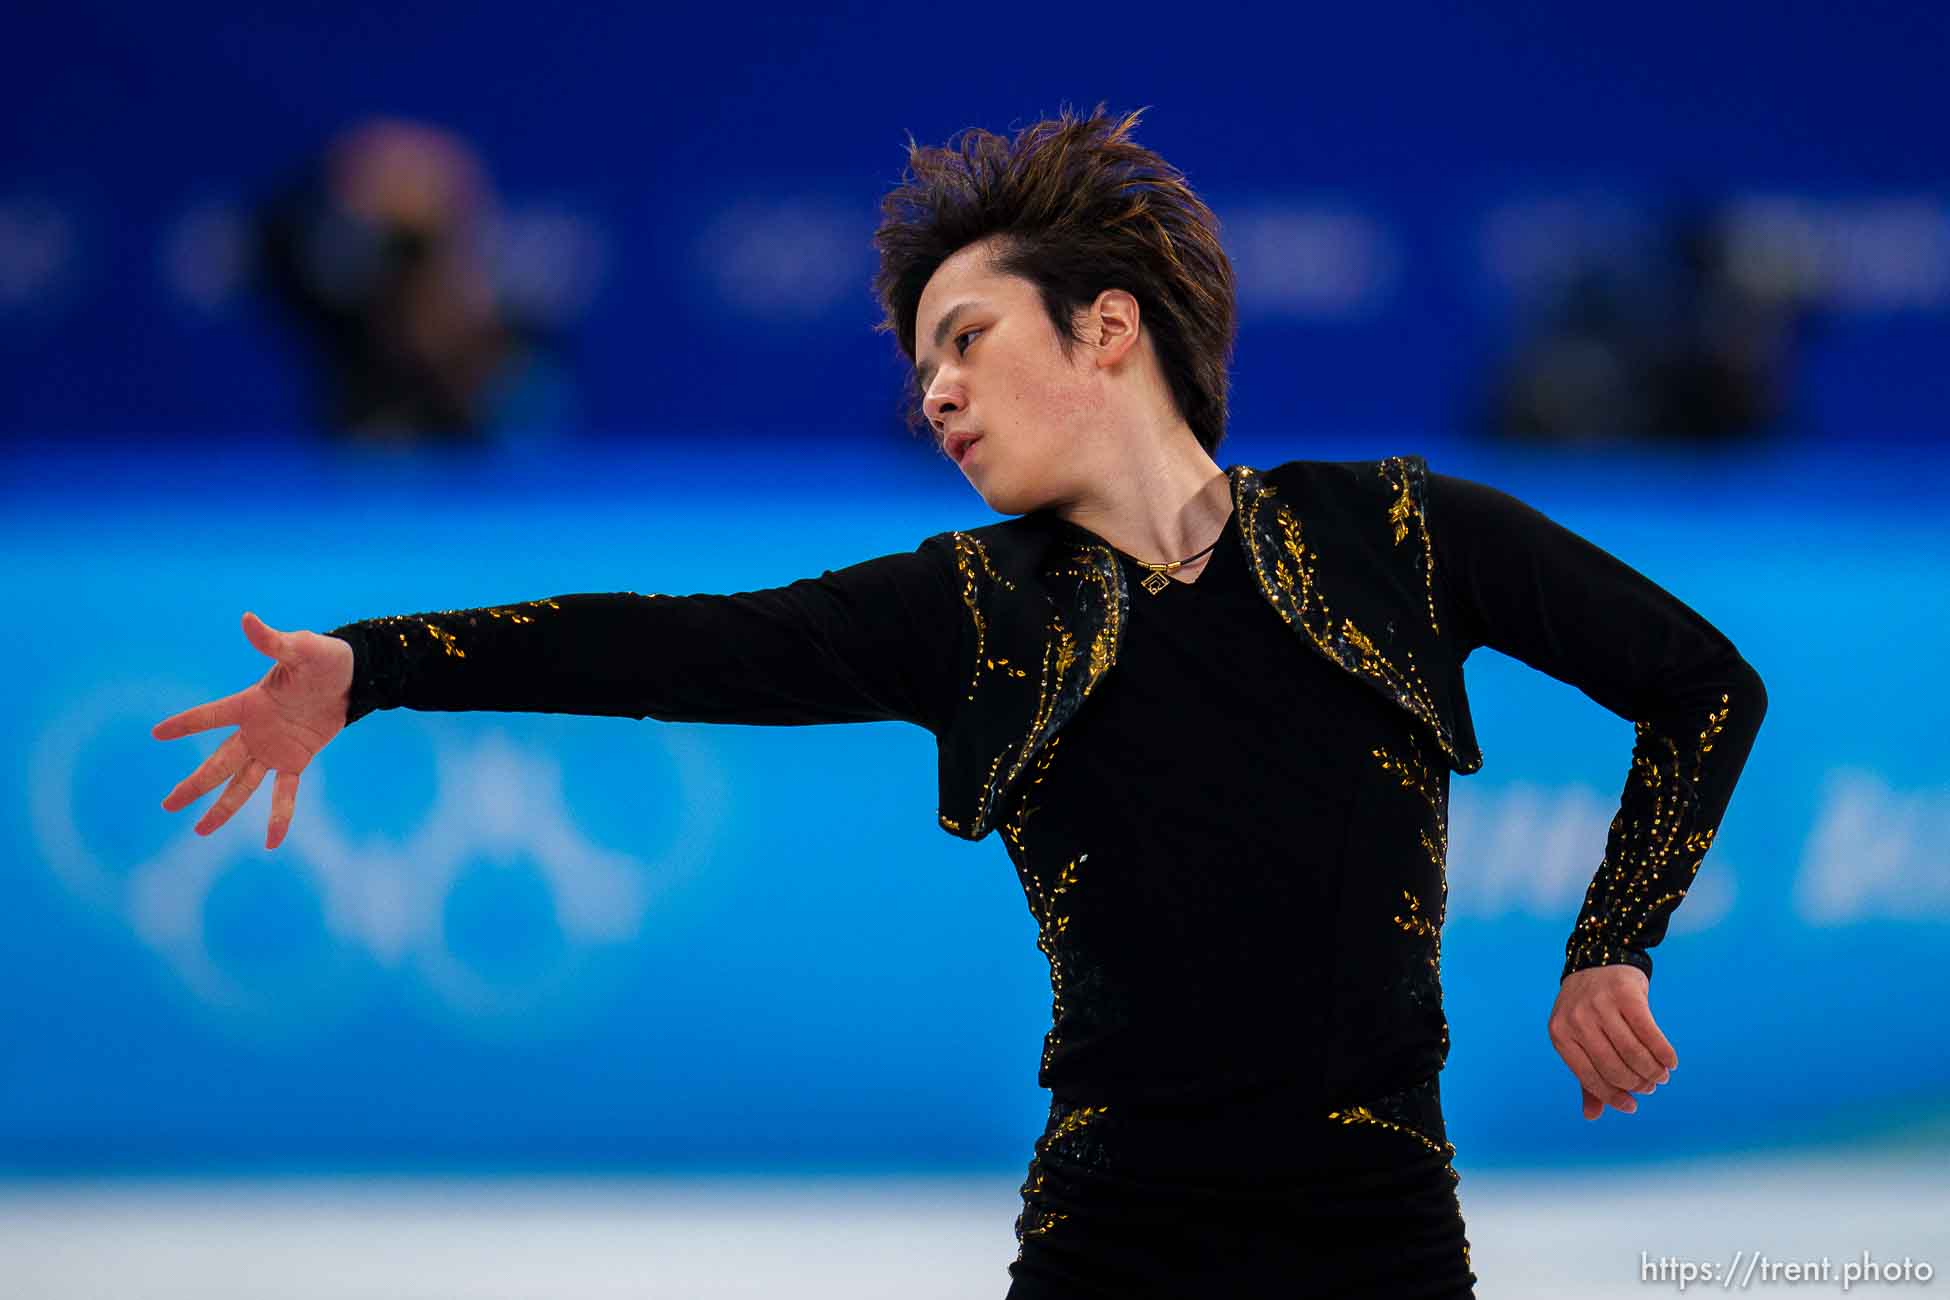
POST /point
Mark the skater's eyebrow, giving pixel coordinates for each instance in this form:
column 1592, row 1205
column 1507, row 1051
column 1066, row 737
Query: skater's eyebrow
column 925, row 375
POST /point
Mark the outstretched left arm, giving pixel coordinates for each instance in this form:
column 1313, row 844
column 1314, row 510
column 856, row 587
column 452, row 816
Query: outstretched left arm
column 1518, row 582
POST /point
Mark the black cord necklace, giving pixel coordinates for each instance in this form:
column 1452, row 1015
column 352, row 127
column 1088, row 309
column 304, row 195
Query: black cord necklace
column 1155, row 580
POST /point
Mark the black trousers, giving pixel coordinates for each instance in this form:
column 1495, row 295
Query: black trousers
column 1261, row 1197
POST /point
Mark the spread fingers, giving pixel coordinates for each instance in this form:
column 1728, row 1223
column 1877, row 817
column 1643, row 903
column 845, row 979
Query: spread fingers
column 209, row 774
column 242, row 787
column 284, row 801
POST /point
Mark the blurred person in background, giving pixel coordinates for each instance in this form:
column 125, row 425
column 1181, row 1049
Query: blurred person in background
column 382, row 255
column 1679, row 338
column 1212, row 712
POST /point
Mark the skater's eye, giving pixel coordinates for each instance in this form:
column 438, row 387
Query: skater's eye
column 961, row 346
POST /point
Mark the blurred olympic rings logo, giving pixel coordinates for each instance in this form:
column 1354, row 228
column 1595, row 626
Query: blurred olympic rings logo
column 380, row 898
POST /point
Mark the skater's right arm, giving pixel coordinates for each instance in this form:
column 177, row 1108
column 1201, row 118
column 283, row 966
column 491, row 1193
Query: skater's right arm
column 878, row 640
column 875, row 641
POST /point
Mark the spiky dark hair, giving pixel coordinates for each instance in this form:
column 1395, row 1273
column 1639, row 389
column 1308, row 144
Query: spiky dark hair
column 1079, row 208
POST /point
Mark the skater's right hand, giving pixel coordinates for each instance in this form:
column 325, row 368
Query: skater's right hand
column 282, row 722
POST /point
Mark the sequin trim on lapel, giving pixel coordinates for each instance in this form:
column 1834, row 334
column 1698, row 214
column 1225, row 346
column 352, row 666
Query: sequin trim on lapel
column 1087, row 605
column 1088, row 583
column 1286, row 567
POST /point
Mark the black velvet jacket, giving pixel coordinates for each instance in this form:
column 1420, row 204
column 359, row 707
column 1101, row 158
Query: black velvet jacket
column 993, row 638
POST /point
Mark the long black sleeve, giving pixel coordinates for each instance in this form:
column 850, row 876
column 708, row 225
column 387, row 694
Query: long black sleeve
column 874, row 641
column 1519, row 583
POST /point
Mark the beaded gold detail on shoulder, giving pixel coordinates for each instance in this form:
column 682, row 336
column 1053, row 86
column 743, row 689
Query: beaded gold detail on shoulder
column 1286, row 567
column 1407, row 481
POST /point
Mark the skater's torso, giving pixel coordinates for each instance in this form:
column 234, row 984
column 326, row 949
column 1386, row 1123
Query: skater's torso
column 1199, row 849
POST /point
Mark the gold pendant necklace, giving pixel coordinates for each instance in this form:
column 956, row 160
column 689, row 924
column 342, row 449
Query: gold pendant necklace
column 1155, row 580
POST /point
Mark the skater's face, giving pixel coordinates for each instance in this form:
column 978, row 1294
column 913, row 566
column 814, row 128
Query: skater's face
column 1006, row 405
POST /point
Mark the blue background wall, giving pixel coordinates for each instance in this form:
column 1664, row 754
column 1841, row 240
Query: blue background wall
column 500, row 940
column 1392, row 177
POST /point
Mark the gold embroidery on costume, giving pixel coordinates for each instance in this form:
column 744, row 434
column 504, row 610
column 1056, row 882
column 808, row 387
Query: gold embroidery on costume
column 1657, row 848
column 1097, row 565
column 1074, row 1120
column 1394, row 1112
column 1035, row 1219
column 1414, row 773
column 1362, row 1115
column 1415, row 922
column 1087, row 624
column 446, row 637
column 1059, row 651
column 1284, row 564
column 1012, row 828
column 1059, row 691
column 1402, row 477
column 1068, row 1122
column 1050, row 925
column 972, row 561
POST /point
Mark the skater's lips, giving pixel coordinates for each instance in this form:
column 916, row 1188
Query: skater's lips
column 958, row 443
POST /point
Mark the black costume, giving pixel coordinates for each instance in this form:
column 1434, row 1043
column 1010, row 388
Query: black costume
column 1234, row 854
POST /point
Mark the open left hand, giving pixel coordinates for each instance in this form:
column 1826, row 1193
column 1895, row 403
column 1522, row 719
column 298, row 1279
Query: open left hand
column 1602, row 1026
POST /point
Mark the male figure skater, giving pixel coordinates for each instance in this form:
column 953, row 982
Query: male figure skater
column 1212, row 712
